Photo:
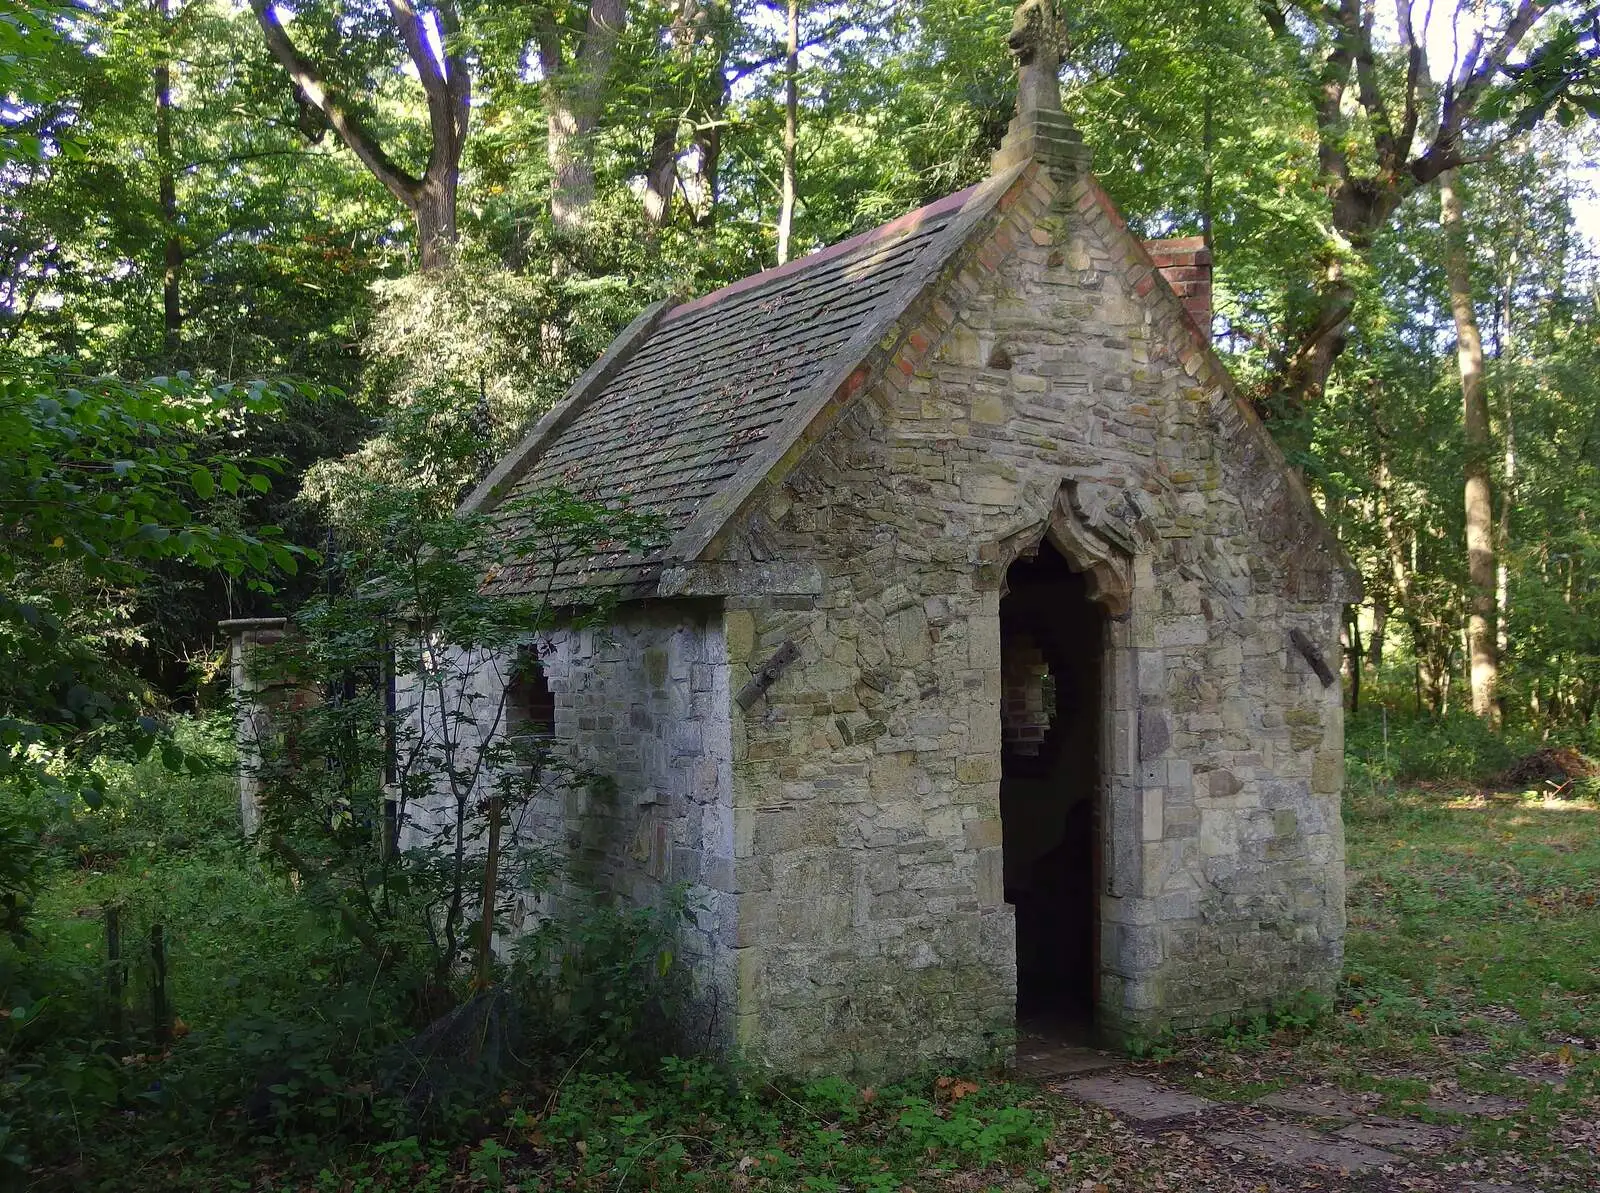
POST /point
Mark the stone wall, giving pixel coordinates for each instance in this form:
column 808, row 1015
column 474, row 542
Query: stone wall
column 872, row 932
column 641, row 711
column 643, row 704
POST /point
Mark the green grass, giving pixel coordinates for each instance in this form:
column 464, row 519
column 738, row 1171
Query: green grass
column 1472, row 967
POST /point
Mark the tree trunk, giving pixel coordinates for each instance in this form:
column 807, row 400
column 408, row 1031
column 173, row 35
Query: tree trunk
column 791, row 128
column 435, row 216
column 707, row 181
column 575, row 94
column 1483, row 663
column 431, row 199
column 1317, row 338
column 491, row 896
column 1354, row 656
column 1508, row 485
column 1424, row 645
column 1367, row 143
column 172, row 249
column 661, row 175
column 1380, row 624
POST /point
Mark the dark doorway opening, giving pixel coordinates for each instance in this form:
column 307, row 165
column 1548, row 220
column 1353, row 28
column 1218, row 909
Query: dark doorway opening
column 1051, row 646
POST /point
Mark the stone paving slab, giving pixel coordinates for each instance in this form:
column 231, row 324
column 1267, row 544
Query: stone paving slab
column 1409, row 1137
column 1138, row 1099
column 1283, row 1143
column 1039, row 1057
column 1542, row 1072
column 1475, row 1105
column 1320, row 1101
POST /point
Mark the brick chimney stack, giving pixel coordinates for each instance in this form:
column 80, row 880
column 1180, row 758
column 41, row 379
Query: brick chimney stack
column 1185, row 263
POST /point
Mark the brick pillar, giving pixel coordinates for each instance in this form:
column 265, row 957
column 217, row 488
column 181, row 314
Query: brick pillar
column 1185, row 263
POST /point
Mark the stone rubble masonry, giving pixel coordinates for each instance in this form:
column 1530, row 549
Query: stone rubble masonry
column 841, row 839
column 871, row 930
column 646, row 704
column 1024, row 718
column 643, row 712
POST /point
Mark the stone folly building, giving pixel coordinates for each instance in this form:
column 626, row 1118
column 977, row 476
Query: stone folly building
column 983, row 673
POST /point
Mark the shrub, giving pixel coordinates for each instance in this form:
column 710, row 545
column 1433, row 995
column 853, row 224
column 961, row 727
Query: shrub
column 1457, row 747
column 607, row 985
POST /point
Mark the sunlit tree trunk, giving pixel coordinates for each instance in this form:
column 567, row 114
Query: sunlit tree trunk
column 575, row 95
column 172, row 248
column 1351, row 102
column 791, row 129
column 447, row 87
column 1502, row 584
column 661, row 172
column 435, row 213
column 706, row 189
column 1482, row 661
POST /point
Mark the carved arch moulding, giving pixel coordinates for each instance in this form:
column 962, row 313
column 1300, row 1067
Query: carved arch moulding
column 1098, row 529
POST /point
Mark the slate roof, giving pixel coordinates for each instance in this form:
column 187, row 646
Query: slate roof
column 706, row 387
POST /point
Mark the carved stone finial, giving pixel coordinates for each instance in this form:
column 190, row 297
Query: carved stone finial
column 1040, row 130
column 1037, row 39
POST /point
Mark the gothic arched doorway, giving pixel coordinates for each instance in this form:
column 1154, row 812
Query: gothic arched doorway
column 1052, row 637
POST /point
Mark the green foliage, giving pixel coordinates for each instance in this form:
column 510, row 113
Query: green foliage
column 101, row 482
column 608, row 984
column 298, row 974
column 695, row 1123
column 1469, row 908
column 1293, row 1017
column 1458, row 747
column 391, row 835
column 284, row 1025
column 461, row 360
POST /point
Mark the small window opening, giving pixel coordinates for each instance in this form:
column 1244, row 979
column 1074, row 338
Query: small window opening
column 1028, row 712
column 530, row 704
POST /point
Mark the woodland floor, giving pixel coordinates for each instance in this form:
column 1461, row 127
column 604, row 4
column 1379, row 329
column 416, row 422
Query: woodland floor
column 1463, row 1054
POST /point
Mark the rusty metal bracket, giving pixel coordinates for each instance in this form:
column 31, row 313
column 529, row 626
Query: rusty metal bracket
column 768, row 675
column 1313, row 656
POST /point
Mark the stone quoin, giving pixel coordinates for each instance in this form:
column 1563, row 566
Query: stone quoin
column 964, row 686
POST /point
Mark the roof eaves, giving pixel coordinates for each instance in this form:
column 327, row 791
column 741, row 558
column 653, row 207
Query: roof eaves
column 845, row 378
column 516, row 462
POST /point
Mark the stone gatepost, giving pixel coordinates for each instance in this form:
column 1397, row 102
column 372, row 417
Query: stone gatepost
column 252, row 705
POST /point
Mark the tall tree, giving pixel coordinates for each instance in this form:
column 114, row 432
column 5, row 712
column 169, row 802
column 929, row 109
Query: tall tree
column 1483, row 663
column 574, row 87
column 431, row 37
column 1382, row 132
column 678, row 91
column 791, row 131
column 171, row 246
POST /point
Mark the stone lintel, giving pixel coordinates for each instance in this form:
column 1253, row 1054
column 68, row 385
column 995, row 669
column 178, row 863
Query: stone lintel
column 245, row 625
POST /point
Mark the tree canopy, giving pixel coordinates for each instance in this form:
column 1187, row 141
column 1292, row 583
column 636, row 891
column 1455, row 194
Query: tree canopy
column 434, row 215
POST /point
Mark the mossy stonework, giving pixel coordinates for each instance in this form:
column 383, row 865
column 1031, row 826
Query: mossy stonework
column 801, row 702
column 867, row 783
